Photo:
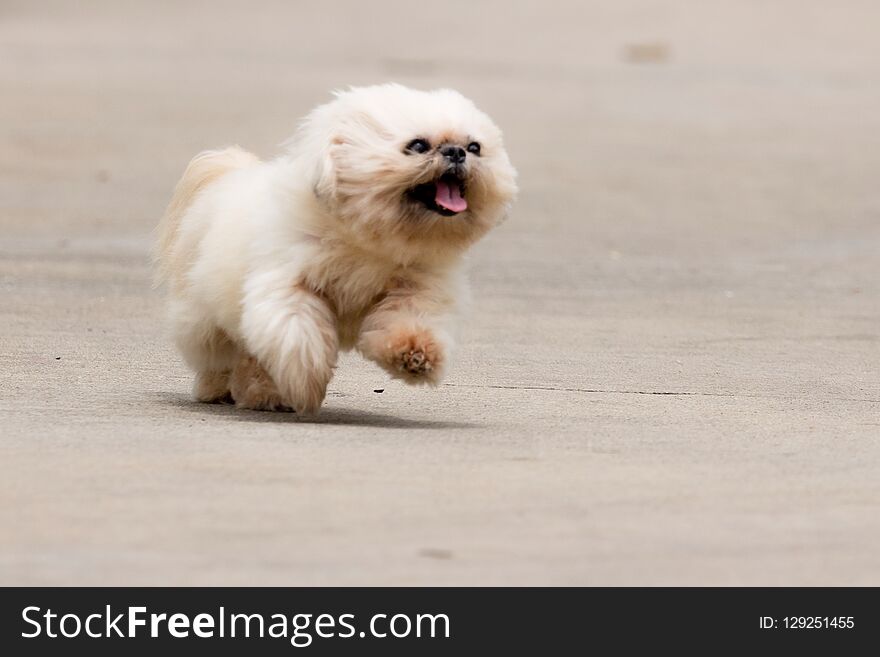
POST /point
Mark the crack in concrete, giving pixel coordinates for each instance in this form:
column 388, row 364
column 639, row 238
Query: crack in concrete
column 599, row 390
column 667, row 393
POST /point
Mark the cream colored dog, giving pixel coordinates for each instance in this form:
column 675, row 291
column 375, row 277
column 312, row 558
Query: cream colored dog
column 351, row 239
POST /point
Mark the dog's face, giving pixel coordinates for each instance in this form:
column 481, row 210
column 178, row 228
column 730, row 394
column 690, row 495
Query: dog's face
column 405, row 166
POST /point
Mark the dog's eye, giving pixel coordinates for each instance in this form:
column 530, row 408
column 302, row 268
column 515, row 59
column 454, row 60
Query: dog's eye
column 474, row 147
column 418, row 146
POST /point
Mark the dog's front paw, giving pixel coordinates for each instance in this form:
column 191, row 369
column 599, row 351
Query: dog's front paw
column 413, row 354
column 415, row 362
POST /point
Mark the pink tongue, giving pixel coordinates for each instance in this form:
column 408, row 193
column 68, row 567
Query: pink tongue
column 449, row 197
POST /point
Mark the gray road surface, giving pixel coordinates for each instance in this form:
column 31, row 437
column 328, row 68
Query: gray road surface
column 672, row 370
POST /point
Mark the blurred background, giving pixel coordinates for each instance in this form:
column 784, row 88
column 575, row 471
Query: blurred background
column 670, row 374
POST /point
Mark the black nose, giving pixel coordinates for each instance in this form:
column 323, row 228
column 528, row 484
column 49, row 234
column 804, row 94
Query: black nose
column 454, row 154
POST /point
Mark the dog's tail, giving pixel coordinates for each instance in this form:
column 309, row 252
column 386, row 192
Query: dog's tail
column 202, row 170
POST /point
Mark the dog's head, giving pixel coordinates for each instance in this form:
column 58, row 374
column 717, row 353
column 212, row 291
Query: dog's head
column 397, row 164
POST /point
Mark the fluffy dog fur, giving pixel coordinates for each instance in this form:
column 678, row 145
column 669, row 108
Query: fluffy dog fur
column 272, row 267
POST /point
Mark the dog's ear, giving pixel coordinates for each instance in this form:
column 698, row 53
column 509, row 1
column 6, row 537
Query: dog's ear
column 324, row 181
column 358, row 132
column 339, row 134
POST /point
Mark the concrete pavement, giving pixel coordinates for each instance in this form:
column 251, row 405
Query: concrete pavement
column 670, row 375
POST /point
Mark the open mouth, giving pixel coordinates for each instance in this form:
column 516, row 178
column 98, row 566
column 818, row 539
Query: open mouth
column 446, row 195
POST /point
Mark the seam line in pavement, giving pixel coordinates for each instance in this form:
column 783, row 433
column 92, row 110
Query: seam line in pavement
column 668, row 393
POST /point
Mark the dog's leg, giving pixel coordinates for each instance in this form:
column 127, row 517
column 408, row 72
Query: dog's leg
column 408, row 333
column 206, row 349
column 291, row 332
column 212, row 387
column 253, row 388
